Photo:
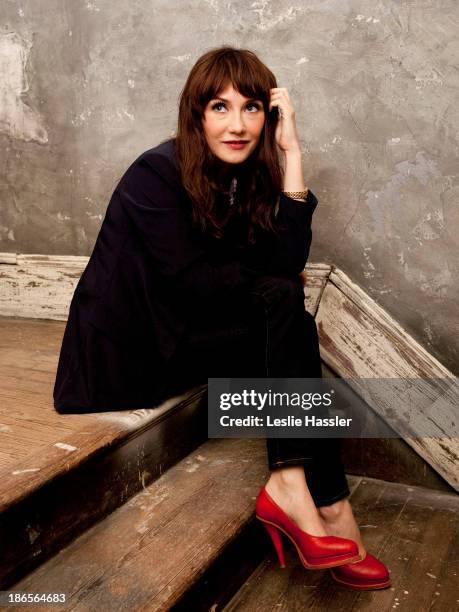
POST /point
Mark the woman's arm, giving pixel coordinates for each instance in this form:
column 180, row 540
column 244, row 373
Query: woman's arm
column 286, row 253
column 293, row 172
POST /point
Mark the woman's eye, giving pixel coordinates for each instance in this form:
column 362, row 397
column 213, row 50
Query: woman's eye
column 217, row 105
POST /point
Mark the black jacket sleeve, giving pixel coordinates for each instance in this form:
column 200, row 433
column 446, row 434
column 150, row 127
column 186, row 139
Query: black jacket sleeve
column 286, row 253
column 153, row 200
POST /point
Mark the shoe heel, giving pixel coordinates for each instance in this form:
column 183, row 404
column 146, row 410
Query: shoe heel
column 276, row 538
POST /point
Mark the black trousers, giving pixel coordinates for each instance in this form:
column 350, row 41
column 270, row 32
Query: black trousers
column 260, row 331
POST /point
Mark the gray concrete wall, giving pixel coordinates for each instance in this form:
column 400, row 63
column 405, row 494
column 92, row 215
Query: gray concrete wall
column 87, row 85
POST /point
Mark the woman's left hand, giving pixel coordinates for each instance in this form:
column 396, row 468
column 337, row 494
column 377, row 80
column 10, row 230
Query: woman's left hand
column 286, row 133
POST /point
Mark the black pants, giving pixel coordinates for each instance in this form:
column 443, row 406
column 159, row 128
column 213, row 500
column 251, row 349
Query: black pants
column 263, row 331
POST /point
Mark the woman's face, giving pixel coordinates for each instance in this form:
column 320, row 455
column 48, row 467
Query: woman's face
column 232, row 117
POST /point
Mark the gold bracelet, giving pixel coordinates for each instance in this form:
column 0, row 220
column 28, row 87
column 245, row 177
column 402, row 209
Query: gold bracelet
column 296, row 194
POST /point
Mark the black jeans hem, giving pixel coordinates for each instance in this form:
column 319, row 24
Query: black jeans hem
column 295, row 461
column 332, row 500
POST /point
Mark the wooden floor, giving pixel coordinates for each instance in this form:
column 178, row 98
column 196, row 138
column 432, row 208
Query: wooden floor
column 36, row 442
column 415, row 531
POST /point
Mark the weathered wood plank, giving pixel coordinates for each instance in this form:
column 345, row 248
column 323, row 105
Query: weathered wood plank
column 30, row 428
column 41, row 286
column 314, row 278
column 38, row 286
column 359, row 340
column 148, row 552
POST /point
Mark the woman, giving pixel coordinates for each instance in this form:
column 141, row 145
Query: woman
column 195, row 274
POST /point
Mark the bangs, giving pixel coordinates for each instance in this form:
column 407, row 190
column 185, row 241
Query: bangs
column 244, row 75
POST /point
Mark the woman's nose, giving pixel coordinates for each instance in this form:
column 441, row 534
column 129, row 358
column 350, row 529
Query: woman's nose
column 236, row 122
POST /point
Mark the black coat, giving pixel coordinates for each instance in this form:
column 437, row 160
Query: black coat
column 149, row 273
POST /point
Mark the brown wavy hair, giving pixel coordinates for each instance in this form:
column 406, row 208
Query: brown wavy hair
column 261, row 173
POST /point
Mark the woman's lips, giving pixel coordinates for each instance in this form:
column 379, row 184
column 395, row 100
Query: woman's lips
column 235, row 145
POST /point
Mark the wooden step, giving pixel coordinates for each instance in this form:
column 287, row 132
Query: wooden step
column 414, row 530
column 59, row 474
column 149, row 552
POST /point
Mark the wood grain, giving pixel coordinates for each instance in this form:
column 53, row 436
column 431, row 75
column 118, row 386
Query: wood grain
column 359, row 340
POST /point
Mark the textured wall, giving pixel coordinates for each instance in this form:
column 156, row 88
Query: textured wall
column 87, row 85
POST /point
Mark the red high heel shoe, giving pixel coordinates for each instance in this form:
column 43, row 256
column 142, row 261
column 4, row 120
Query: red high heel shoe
column 315, row 552
column 367, row 574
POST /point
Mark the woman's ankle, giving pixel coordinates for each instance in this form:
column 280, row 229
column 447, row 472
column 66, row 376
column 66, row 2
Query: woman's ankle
column 290, row 491
column 286, row 476
column 334, row 512
column 339, row 520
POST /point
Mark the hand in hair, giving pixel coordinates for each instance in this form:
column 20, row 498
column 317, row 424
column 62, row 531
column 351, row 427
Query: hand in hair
column 286, row 132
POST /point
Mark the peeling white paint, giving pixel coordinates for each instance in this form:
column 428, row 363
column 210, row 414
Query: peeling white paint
column 32, row 533
column 131, row 83
column 106, row 116
column 213, row 4
column 429, row 333
column 368, row 263
column 379, row 291
column 4, row 428
column 181, row 58
column 430, row 225
column 266, row 20
column 91, row 216
column 82, row 117
column 64, row 446
column 192, row 466
column 302, row 60
column 91, row 6
column 221, row 461
column 17, row 118
column 16, row 472
column 428, row 77
column 366, row 19
column 337, row 139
